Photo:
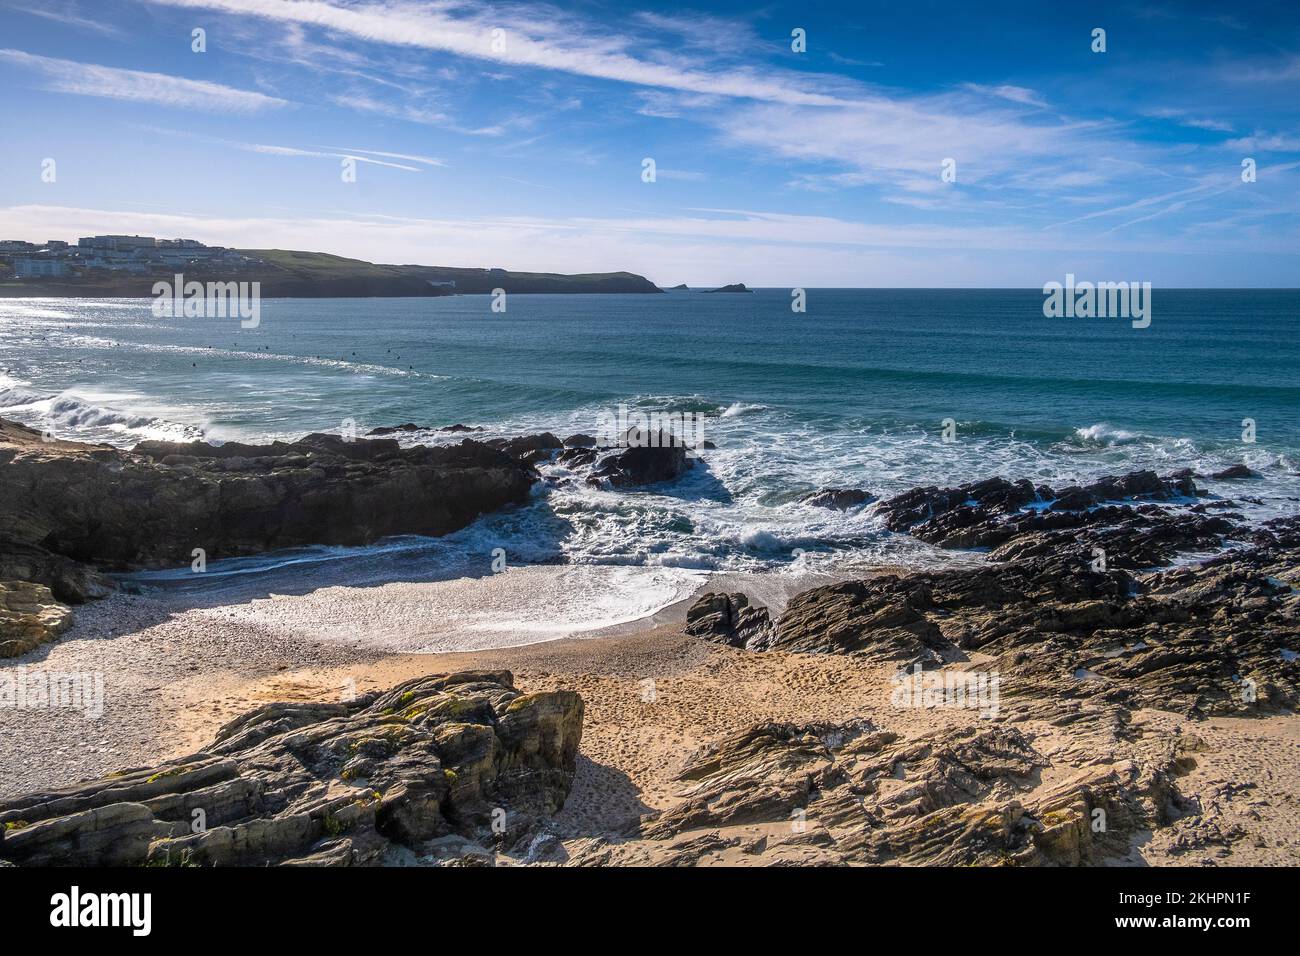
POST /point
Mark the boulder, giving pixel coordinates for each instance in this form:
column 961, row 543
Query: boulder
column 1234, row 472
column 324, row 784
column 838, row 499
column 649, row 459
column 29, row 617
column 728, row 619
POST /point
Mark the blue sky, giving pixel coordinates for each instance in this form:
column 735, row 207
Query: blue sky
column 774, row 167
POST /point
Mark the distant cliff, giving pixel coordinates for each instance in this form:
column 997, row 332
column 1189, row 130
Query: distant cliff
column 287, row 273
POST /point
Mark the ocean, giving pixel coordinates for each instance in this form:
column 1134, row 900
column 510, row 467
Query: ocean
column 852, row 393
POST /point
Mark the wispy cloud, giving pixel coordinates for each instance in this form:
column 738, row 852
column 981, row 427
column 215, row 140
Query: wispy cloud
column 369, row 104
column 312, row 152
column 1182, row 118
column 409, row 157
column 531, row 41
column 88, row 79
column 272, row 150
column 66, row 15
column 1015, row 94
column 1267, row 142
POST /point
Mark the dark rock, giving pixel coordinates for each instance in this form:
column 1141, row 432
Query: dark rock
column 71, row 581
column 650, row 460
column 728, row 619
column 394, row 429
column 1214, row 638
column 990, row 513
column 150, row 507
column 528, row 448
column 734, row 287
column 580, row 441
column 575, row 457
column 839, row 499
column 1234, row 472
column 458, row 427
column 983, row 505
column 850, row 618
column 323, row 784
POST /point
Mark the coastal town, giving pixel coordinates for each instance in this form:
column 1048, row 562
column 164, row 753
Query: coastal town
column 105, row 255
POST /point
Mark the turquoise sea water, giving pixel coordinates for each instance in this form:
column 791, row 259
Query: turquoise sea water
column 852, row 393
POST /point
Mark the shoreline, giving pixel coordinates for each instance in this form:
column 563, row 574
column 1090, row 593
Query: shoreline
column 716, row 705
column 172, row 684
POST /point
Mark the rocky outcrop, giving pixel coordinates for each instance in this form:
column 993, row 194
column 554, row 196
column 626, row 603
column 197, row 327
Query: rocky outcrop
column 838, row 499
column 1217, row 638
column 641, row 466
column 64, row 505
column 530, row 449
column 854, row 793
column 988, row 513
column 729, row 619
column 1066, row 603
column 71, row 581
column 649, row 459
column 850, row 618
column 324, row 784
column 412, row 427
column 1233, row 472
column 29, row 616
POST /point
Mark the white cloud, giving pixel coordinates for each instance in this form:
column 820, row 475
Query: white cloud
column 530, row 40
column 88, row 79
column 1183, row 119
column 1267, row 142
column 1016, row 94
column 409, row 157
column 73, row 20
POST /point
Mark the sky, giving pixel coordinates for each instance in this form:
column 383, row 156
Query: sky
column 906, row 144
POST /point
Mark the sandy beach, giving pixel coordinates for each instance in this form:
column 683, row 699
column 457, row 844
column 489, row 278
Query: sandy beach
column 653, row 697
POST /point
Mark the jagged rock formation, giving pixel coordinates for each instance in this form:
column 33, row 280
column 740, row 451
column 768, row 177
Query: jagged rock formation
column 648, row 460
column 1062, row 606
column 988, row 513
column 1233, row 472
column 849, row 618
column 1221, row 637
column 729, row 619
column 529, row 449
column 65, row 505
column 324, row 784
column 838, row 499
column 853, row 793
column 412, row 427
column 29, row 616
